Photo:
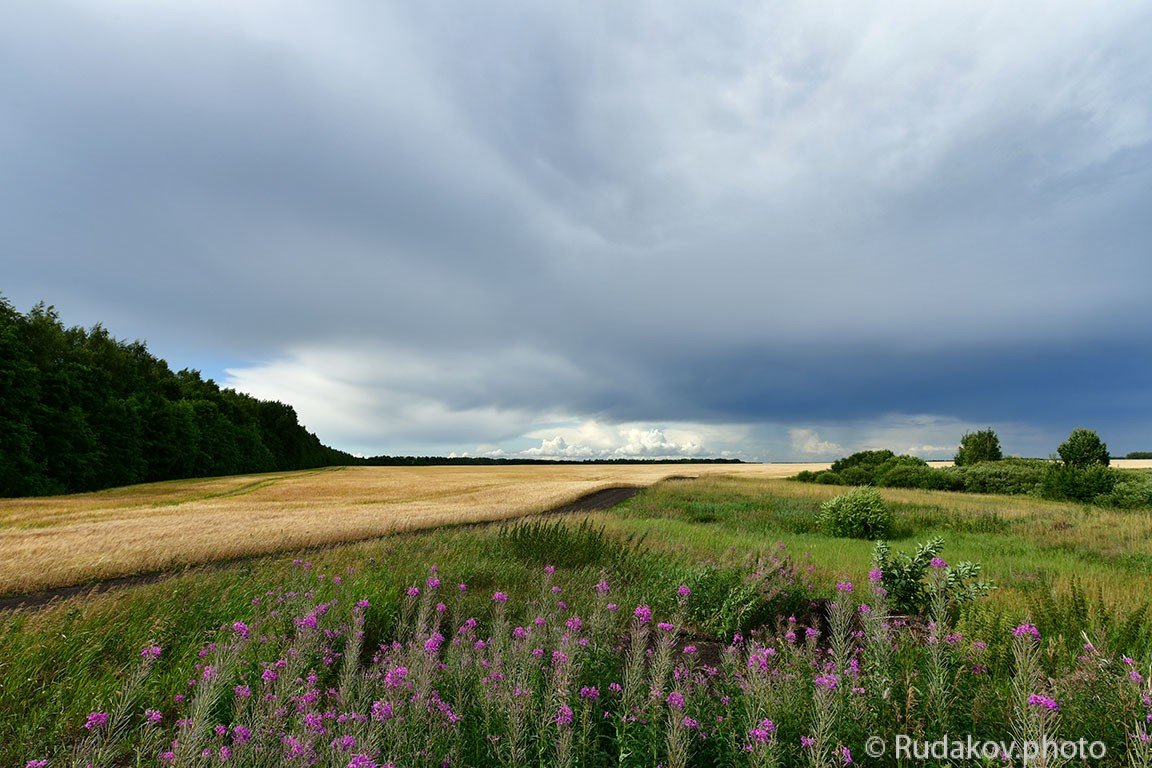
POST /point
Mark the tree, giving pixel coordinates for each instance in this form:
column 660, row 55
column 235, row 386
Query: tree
column 976, row 447
column 1083, row 448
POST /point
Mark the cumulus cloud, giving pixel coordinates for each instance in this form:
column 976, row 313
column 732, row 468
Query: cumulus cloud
column 807, row 442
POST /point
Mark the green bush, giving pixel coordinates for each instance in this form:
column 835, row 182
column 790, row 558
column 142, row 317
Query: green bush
column 868, row 460
column 1010, row 476
column 859, row 514
column 1077, row 483
column 925, row 477
column 828, row 477
column 907, row 578
column 1139, row 455
column 976, row 447
column 857, row 476
column 1133, row 490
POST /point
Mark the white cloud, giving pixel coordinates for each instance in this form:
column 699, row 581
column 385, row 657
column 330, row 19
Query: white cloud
column 807, row 442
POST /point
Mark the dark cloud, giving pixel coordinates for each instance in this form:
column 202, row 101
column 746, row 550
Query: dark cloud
column 467, row 224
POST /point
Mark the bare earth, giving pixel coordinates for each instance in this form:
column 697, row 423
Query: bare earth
column 64, row 540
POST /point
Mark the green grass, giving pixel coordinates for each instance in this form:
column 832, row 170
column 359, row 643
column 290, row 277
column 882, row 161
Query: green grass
column 1061, row 562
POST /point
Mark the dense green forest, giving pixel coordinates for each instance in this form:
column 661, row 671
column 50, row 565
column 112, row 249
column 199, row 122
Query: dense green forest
column 81, row 410
column 436, row 461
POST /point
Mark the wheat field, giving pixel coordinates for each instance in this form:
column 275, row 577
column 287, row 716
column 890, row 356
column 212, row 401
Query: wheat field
column 60, row 541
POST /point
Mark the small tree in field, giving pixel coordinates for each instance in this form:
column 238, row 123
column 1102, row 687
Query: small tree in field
column 976, row 447
column 1083, row 448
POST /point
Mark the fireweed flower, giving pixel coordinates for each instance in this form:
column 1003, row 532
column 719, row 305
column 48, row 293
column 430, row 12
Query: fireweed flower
column 683, row 590
column 1026, row 629
column 666, row 626
column 153, row 716
column 96, row 720
column 36, row 764
column 690, row 722
column 500, row 597
column 433, row 582
column 939, row 562
column 590, row 693
column 241, row 629
column 845, row 755
column 762, row 732
column 675, row 700
column 549, row 569
column 1045, row 702
column 828, row 681
column 382, row 711
column 844, row 586
column 602, row 587
column 807, row 742
column 574, row 623
column 151, row 652
column 643, row 613
column 564, row 715
column 242, row 691
column 875, row 575
column 413, row 591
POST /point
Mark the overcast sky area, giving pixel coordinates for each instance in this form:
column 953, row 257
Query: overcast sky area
column 768, row 230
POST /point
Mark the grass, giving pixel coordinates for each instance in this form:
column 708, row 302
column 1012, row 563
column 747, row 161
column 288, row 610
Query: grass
column 1072, row 569
column 65, row 540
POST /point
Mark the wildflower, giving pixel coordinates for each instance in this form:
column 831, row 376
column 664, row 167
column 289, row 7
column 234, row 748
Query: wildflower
column 864, row 608
column 362, row 761
column 615, row 687
column 689, row 650
column 1036, row 700
column 828, row 682
column 807, row 742
column 762, row 732
column 844, row 586
column 675, row 700
column 413, row 592
column 362, row 604
column 1026, row 629
column 683, row 590
column 152, row 716
column 549, row 569
column 845, row 755
column 500, row 597
column 96, row 720
column 590, row 693
column 36, row 764
column 539, row 621
column 441, row 608
column 564, row 715
column 269, row 676
column 875, row 575
column 432, row 582
column 612, row 607
column 520, row 633
column 939, row 562
column 556, row 590
column 151, row 652
column 433, row 643
column 602, row 587
column 393, row 678
column 382, row 710
column 462, row 587
column 643, row 613
column 666, row 626
column 574, row 623
column 690, row 722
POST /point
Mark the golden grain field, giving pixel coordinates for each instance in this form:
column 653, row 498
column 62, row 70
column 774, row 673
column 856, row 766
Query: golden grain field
column 64, row 540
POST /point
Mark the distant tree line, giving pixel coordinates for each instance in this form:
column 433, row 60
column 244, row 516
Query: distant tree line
column 433, row 461
column 1079, row 471
column 80, row 411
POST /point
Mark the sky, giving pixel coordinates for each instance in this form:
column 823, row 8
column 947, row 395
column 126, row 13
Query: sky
column 770, row 231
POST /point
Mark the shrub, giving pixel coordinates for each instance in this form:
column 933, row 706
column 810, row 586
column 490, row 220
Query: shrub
column 1011, row 476
column 1133, row 490
column 925, row 477
column 859, row 514
column 1083, row 448
column 868, row 460
column 1077, row 483
column 1139, row 455
column 828, row 477
column 907, row 577
column 857, row 476
column 976, row 447
column 897, row 462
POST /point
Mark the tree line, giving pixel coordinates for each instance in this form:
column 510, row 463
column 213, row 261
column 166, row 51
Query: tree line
column 81, row 410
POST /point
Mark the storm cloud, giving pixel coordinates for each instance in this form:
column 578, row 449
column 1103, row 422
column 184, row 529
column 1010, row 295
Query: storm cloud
column 767, row 230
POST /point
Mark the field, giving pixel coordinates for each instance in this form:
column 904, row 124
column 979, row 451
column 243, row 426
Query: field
column 741, row 642
column 63, row 540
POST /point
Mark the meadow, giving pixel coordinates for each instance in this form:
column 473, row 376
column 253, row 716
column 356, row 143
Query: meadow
column 701, row 623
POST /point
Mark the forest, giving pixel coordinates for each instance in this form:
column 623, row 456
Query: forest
column 81, row 410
